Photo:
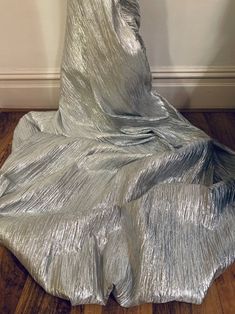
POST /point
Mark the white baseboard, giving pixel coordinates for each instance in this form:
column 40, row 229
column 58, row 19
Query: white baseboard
column 31, row 89
column 185, row 88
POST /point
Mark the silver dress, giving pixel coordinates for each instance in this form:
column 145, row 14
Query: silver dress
column 116, row 192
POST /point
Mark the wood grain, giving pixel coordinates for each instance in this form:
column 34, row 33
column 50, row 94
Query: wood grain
column 20, row 294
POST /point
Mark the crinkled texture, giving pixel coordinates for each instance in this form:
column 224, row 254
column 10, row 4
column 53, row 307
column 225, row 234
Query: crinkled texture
column 116, row 191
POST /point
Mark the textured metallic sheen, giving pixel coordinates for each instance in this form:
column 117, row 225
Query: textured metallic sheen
column 116, row 191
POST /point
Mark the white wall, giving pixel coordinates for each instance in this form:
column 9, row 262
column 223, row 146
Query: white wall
column 190, row 44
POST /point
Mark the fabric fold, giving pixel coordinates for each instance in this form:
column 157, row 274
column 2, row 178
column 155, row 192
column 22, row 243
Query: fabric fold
column 116, row 192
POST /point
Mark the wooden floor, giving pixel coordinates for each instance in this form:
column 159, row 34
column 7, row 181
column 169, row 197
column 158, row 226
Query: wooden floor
column 20, row 294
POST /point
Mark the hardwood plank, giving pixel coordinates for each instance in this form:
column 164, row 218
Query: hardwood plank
column 12, row 279
column 141, row 309
column 198, row 119
column 92, row 309
column 225, row 285
column 77, row 309
column 222, row 127
column 35, row 300
column 211, row 303
column 5, row 150
column 113, row 307
column 163, row 308
column 182, row 307
column 173, row 307
column 8, row 122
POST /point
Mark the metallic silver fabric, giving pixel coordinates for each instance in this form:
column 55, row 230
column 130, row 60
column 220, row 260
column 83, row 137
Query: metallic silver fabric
column 116, row 191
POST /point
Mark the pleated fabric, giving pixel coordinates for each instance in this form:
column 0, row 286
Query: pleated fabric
column 116, row 192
